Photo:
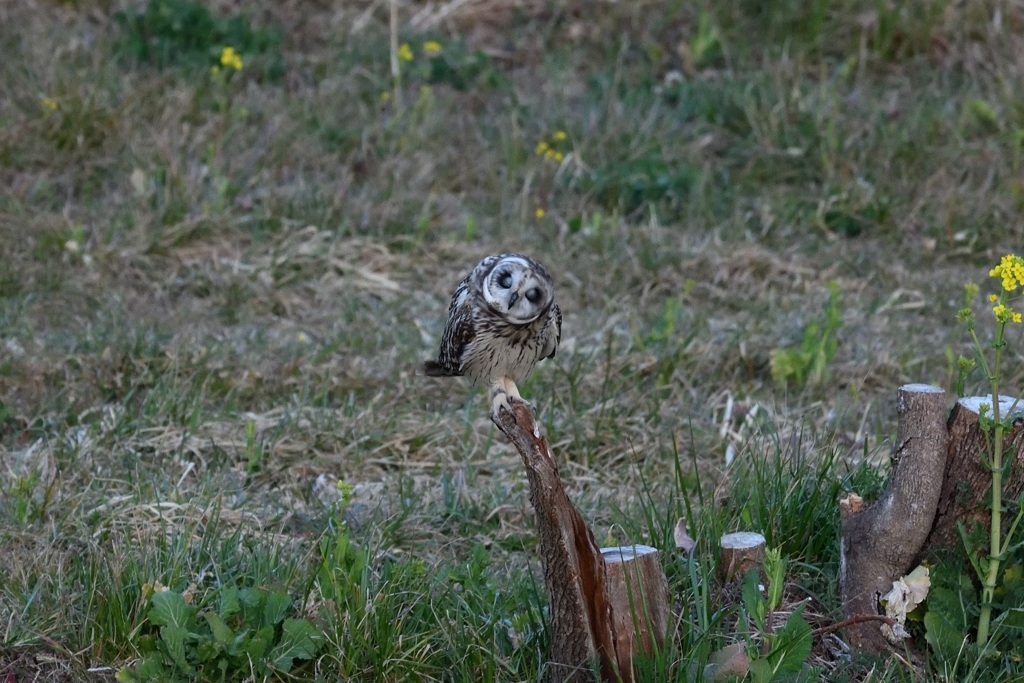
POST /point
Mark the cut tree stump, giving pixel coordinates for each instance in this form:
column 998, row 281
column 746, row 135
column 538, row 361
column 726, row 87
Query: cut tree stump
column 879, row 542
column 588, row 588
column 966, row 489
column 938, row 480
column 639, row 598
column 741, row 551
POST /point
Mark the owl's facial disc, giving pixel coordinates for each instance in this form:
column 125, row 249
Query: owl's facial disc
column 515, row 290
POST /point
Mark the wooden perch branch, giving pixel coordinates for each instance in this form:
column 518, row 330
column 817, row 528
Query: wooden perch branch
column 587, row 631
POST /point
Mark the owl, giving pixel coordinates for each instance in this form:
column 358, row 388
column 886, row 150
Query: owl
column 502, row 321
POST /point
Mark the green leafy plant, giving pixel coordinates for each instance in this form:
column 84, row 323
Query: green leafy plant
column 247, row 631
column 783, row 652
column 952, row 606
column 634, row 183
column 808, row 363
column 995, row 420
column 432, row 62
column 184, row 33
column 705, row 46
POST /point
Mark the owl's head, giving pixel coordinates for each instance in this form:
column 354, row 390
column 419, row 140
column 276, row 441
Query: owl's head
column 516, row 287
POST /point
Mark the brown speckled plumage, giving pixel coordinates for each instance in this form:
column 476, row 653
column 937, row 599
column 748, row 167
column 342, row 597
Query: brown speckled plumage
column 502, row 320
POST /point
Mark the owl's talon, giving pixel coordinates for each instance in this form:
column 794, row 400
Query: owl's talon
column 499, row 400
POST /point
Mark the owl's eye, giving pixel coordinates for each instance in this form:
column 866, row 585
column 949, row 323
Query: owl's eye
column 505, row 280
column 533, row 295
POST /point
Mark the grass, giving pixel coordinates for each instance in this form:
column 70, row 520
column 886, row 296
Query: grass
column 214, row 294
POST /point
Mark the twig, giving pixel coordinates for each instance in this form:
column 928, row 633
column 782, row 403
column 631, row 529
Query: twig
column 396, row 68
column 852, row 621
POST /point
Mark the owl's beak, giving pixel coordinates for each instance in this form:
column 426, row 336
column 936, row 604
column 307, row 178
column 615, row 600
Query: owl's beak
column 512, row 299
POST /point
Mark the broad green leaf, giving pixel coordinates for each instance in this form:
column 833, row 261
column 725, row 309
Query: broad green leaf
column 150, row 669
column 174, row 639
column 208, row 650
column 259, row 643
column 945, row 624
column 945, row 639
column 775, row 569
column 1013, row 580
column 753, row 599
column 275, row 608
column 791, row 646
column 761, row 671
column 299, row 640
column 228, row 600
column 252, row 605
column 169, row 609
column 221, row 632
column 1012, row 618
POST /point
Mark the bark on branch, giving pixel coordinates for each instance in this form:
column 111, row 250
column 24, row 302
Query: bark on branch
column 966, row 490
column 941, row 479
column 588, row 631
column 879, row 542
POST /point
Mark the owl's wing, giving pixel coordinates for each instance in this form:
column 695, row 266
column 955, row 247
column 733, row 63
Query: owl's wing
column 459, row 331
column 558, row 332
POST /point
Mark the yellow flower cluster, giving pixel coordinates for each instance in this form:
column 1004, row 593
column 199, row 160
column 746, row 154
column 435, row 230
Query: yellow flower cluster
column 550, row 149
column 431, row 48
column 1005, row 314
column 51, row 104
column 230, row 59
column 1011, row 271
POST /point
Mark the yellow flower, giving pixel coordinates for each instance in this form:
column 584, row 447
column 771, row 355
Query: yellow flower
column 1005, row 314
column 385, row 96
column 550, row 154
column 539, row 213
column 230, row 59
column 405, row 53
column 541, row 148
column 993, row 298
column 51, row 104
column 1011, row 271
column 559, row 136
column 432, row 48
column 558, row 156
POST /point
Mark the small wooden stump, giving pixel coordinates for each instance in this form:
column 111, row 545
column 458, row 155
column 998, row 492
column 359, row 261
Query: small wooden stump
column 639, row 598
column 741, row 551
column 966, row 495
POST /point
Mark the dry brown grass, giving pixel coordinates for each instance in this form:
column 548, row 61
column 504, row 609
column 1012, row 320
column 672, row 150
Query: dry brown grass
column 298, row 303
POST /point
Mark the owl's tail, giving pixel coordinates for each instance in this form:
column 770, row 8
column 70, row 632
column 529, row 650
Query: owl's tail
column 432, row 368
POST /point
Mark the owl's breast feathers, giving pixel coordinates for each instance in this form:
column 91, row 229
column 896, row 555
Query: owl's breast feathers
column 467, row 325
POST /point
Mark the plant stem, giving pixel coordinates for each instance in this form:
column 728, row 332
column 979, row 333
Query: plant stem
column 995, row 547
column 396, row 68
